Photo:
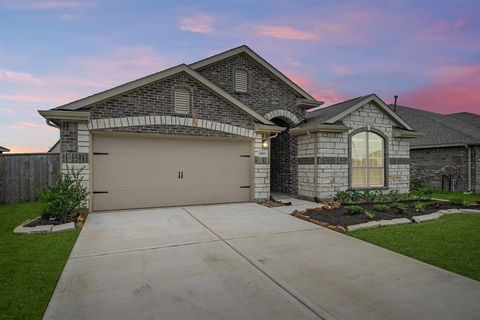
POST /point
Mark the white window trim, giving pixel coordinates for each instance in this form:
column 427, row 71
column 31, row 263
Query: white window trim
column 367, row 166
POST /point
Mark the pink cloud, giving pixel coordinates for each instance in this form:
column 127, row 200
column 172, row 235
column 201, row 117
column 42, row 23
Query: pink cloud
column 286, row 32
column 20, row 77
column 319, row 91
column 50, row 97
column 199, row 23
column 457, row 88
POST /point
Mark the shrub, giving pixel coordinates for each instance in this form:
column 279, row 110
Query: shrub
column 370, row 214
column 353, row 210
column 399, row 208
column 456, row 200
column 64, row 197
column 416, row 184
column 370, row 195
column 381, row 207
column 421, row 206
column 342, row 196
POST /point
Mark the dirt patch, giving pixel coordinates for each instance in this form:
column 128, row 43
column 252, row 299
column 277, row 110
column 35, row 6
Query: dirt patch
column 340, row 217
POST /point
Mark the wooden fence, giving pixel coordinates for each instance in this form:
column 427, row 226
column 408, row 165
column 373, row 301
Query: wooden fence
column 21, row 175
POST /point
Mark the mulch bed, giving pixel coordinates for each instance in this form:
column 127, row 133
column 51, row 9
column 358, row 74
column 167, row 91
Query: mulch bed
column 339, row 217
column 42, row 221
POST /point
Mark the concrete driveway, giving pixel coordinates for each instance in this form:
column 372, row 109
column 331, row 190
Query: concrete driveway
column 245, row 261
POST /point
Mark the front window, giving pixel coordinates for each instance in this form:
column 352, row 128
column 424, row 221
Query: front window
column 368, row 160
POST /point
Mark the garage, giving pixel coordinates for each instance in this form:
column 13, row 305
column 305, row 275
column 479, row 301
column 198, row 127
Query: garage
column 138, row 171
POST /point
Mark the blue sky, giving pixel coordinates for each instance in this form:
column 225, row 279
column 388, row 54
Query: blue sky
column 53, row 52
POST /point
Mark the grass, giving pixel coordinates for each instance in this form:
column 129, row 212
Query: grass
column 30, row 265
column 451, row 243
column 447, row 195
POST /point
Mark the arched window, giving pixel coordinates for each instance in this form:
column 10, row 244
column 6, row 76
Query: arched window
column 241, row 80
column 182, row 101
column 368, row 160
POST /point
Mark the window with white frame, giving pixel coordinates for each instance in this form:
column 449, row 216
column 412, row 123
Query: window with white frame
column 182, row 101
column 241, row 80
column 368, row 160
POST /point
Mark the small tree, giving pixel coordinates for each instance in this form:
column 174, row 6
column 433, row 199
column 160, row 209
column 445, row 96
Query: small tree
column 64, row 197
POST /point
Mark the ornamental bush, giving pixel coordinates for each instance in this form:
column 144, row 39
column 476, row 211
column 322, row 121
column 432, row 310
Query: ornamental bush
column 353, row 210
column 63, row 198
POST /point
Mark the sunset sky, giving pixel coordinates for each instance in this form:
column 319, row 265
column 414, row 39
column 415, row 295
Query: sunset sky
column 53, row 52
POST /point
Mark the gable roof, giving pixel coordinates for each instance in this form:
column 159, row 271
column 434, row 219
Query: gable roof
column 264, row 63
column 471, row 118
column 3, row 149
column 440, row 130
column 90, row 100
column 336, row 112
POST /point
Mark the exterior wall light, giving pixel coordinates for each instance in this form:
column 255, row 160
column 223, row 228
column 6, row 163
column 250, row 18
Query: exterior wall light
column 264, row 141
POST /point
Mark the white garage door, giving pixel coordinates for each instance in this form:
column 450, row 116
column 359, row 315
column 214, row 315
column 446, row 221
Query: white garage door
column 141, row 172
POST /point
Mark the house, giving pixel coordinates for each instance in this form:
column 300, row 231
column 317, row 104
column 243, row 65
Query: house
column 3, row 149
column 55, row 148
column 448, row 156
column 228, row 128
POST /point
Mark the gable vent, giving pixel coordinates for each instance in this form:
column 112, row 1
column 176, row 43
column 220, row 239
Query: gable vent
column 182, row 101
column 241, row 80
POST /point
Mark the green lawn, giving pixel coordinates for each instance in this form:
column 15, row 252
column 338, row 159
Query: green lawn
column 446, row 195
column 451, row 243
column 30, row 265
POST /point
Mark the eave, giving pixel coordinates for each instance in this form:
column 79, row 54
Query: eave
column 308, row 103
column 268, row 129
column 401, row 133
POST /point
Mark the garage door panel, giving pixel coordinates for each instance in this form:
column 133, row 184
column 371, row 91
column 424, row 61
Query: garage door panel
column 141, row 172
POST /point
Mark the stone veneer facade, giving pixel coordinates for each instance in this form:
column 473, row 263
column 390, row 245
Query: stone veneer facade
column 333, row 158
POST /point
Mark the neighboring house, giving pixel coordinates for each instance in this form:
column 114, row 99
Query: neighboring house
column 3, row 149
column 55, row 148
column 218, row 131
column 448, row 156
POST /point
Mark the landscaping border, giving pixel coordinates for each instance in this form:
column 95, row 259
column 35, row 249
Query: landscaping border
column 43, row 229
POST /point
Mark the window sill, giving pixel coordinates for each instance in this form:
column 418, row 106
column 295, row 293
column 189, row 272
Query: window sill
column 368, row 188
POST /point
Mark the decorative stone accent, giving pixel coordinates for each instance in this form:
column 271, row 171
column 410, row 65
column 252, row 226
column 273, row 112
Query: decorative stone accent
column 63, row 227
column 42, row 229
column 261, row 173
column 284, row 114
column 394, row 222
column 111, row 123
column 364, row 226
column 21, row 229
column 427, row 217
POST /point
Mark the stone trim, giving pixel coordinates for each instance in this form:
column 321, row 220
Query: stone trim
column 262, row 160
column 404, row 161
column 283, row 114
column 385, row 157
column 332, row 160
column 308, row 160
column 74, row 157
column 109, row 123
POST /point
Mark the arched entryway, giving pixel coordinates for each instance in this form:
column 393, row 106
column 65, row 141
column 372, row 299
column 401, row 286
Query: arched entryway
column 283, row 159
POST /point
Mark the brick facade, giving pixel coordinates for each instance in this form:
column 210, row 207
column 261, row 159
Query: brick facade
column 284, row 166
column 445, row 168
column 265, row 94
column 333, row 158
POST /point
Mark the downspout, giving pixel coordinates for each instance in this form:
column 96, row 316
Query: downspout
column 469, row 168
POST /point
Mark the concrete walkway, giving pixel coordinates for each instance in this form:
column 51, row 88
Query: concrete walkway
column 245, row 261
